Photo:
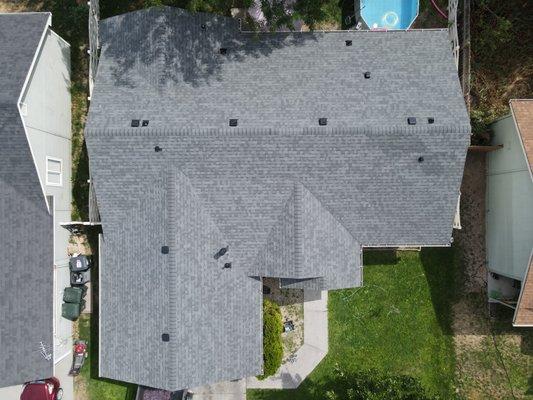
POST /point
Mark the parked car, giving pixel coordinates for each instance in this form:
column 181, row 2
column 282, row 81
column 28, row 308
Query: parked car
column 47, row 389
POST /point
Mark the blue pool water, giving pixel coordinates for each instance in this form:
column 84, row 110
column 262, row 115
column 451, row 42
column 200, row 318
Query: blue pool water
column 390, row 14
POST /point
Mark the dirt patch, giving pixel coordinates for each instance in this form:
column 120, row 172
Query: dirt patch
column 79, row 244
column 290, row 302
column 471, row 238
column 19, row 6
column 80, row 389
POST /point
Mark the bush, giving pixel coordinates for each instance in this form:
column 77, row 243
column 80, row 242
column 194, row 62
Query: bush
column 373, row 385
column 272, row 347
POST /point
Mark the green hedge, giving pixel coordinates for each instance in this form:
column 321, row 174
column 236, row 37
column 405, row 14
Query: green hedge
column 272, row 347
column 375, row 385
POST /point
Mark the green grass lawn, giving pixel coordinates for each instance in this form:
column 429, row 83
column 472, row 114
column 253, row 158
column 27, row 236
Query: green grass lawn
column 398, row 323
column 88, row 385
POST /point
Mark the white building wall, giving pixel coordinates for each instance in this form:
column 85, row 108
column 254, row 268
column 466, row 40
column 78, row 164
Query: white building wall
column 46, row 111
column 509, row 200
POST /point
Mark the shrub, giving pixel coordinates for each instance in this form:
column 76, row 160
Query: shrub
column 272, row 347
column 374, row 385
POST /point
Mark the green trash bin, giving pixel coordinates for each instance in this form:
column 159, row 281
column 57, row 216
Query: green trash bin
column 70, row 311
column 73, row 295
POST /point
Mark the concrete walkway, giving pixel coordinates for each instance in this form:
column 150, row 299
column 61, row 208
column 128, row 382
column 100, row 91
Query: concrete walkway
column 231, row 390
column 314, row 349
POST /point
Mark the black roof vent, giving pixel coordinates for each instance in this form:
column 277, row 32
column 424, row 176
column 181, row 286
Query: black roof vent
column 223, row 50
column 164, row 249
column 227, row 265
column 411, row 121
column 233, row 122
column 145, row 122
column 367, row 75
column 221, row 252
column 135, row 123
column 348, row 43
column 158, row 149
column 165, row 337
column 431, row 120
column 203, row 26
column 322, row 121
column 420, row 159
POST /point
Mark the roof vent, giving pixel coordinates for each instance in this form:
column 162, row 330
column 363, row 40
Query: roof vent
column 145, row 122
column 158, row 149
column 135, row 123
column 221, row 252
column 431, row 120
column 203, row 26
column 227, row 265
column 164, row 249
column 322, row 121
column 348, row 42
column 367, row 75
column 223, row 50
column 233, row 122
column 165, row 337
column 420, row 159
column 411, row 121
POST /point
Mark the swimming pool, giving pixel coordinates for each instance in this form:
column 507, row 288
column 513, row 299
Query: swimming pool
column 390, row 14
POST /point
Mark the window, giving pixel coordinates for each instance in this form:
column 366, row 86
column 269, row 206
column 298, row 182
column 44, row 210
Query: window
column 54, row 171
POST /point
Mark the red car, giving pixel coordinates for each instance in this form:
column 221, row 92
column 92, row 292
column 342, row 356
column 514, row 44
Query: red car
column 48, row 389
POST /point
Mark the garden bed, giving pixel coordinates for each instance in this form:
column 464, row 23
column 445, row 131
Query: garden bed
column 290, row 302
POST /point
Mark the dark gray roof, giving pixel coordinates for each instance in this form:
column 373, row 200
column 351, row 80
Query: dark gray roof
column 291, row 199
column 26, row 231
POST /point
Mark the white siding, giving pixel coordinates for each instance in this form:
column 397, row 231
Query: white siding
column 509, row 204
column 48, row 124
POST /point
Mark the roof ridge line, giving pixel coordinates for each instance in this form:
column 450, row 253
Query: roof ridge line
column 128, row 131
column 298, row 228
column 170, row 177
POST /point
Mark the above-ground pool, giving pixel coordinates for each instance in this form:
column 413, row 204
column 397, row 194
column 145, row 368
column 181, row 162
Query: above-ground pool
column 389, row 14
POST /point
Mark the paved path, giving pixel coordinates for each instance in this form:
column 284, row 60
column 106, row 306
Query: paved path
column 314, row 349
column 231, row 390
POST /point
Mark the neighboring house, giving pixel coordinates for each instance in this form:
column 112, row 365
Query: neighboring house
column 292, row 151
column 510, row 212
column 35, row 196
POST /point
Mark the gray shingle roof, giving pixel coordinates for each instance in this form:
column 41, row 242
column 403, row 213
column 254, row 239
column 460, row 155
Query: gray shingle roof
column 26, row 231
column 291, row 199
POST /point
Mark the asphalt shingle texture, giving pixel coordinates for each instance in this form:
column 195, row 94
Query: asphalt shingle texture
column 290, row 198
column 26, row 231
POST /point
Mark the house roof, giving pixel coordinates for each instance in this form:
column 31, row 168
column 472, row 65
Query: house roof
column 290, row 198
column 522, row 111
column 26, row 231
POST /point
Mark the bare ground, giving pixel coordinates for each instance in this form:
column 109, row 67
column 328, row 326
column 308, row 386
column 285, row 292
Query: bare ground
column 18, row 6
